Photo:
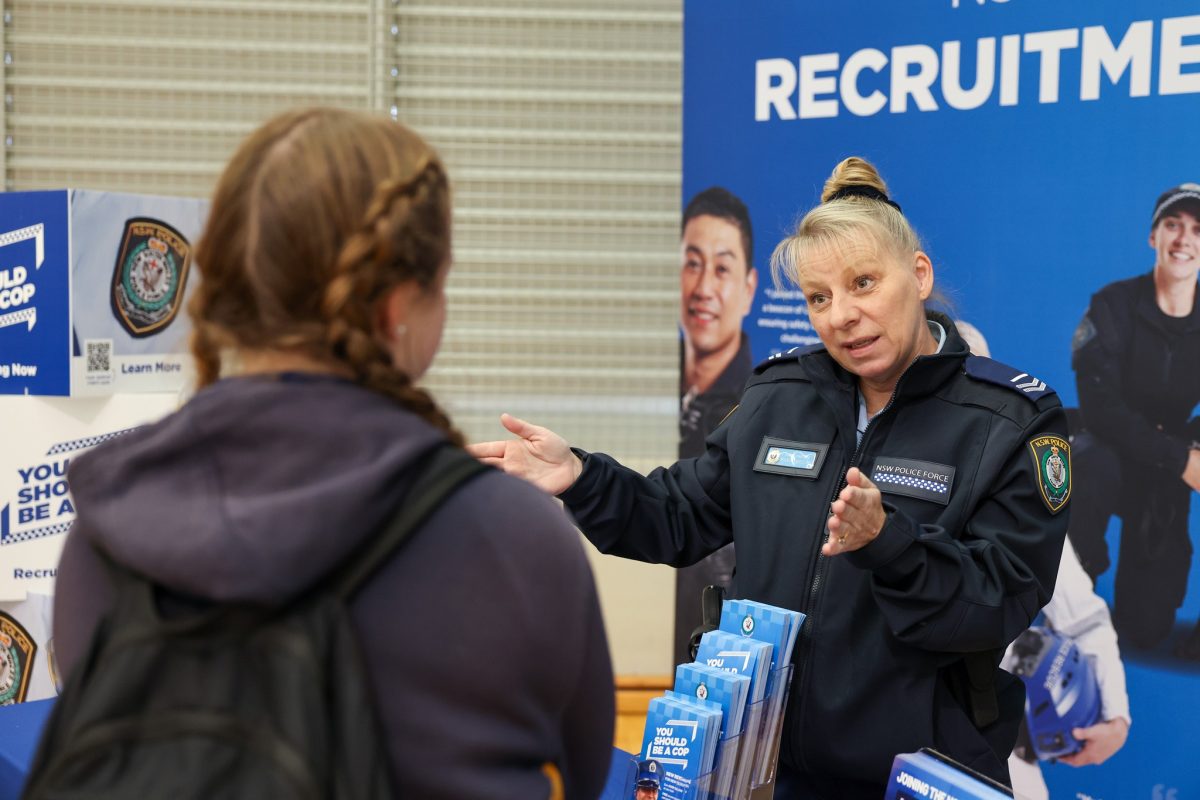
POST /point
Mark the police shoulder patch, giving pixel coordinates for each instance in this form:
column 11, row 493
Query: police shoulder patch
column 1084, row 333
column 987, row 370
column 1052, row 464
column 17, row 650
column 150, row 276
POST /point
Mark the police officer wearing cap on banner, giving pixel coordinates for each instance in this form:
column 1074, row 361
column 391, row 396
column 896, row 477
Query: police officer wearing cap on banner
column 910, row 498
column 1136, row 355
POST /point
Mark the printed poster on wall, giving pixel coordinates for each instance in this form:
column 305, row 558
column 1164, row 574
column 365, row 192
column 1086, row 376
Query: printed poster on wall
column 93, row 291
column 42, row 437
column 1041, row 151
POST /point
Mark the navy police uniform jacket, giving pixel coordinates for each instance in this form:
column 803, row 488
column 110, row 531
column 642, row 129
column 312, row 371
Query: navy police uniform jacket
column 968, row 555
column 1136, row 374
column 706, row 411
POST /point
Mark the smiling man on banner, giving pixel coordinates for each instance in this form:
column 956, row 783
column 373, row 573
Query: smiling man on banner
column 717, row 281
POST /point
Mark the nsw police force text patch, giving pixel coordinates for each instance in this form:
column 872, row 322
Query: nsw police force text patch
column 1052, row 460
column 925, row 480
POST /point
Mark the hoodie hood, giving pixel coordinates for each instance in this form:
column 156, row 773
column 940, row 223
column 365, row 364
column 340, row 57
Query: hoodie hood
column 254, row 489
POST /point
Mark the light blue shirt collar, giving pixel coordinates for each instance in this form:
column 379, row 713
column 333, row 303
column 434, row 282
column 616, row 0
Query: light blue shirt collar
column 939, row 333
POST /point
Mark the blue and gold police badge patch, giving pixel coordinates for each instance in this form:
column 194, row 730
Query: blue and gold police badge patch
column 1052, row 460
column 150, row 276
column 17, row 649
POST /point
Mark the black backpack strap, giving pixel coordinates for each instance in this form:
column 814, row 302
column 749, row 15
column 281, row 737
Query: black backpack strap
column 445, row 469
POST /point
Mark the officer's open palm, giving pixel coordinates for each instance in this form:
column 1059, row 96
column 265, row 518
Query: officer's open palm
column 538, row 455
column 856, row 516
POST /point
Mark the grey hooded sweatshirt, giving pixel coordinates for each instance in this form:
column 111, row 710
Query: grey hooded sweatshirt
column 482, row 635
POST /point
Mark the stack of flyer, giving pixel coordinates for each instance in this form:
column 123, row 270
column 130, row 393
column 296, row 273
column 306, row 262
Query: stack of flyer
column 716, row 734
column 776, row 626
column 682, row 737
column 729, row 691
column 731, row 653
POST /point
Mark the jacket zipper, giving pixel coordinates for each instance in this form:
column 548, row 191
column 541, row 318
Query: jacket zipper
column 810, row 621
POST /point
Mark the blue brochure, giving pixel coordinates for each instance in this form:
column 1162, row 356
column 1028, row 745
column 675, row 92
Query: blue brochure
column 734, row 653
column 677, row 736
column 713, row 734
column 729, row 690
column 766, row 623
column 927, row 773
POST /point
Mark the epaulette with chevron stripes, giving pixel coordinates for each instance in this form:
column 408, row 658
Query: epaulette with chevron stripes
column 990, row 371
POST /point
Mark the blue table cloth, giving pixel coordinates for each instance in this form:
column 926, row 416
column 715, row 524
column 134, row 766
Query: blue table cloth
column 20, row 727
column 621, row 773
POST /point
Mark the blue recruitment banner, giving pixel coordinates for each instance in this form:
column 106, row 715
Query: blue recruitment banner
column 1028, row 143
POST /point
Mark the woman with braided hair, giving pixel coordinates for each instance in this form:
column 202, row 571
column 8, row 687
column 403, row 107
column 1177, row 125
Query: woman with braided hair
column 321, row 303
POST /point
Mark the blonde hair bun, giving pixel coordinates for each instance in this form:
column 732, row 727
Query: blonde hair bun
column 852, row 171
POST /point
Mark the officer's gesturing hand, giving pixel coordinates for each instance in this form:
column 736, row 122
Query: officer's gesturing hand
column 856, row 516
column 538, row 455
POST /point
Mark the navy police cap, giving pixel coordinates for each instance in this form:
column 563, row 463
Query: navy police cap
column 1183, row 194
column 648, row 774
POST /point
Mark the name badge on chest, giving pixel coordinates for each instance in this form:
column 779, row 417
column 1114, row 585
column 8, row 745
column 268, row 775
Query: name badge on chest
column 925, row 480
column 797, row 459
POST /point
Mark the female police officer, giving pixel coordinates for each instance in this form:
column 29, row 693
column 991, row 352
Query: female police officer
column 907, row 497
column 1135, row 354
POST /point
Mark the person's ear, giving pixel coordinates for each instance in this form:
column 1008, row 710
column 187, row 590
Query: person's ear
column 751, row 288
column 393, row 310
column 923, row 272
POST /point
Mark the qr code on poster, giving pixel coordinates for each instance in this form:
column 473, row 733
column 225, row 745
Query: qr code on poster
column 99, row 355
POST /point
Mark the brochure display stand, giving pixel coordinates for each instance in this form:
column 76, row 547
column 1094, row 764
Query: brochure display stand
column 750, row 759
column 716, row 735
column 745, row 762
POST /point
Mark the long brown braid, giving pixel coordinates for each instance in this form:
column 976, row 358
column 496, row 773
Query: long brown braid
column 319, row 214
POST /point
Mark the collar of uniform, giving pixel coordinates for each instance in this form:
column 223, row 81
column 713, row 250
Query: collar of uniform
column 925, row 374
